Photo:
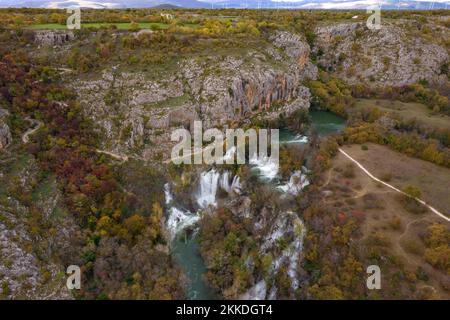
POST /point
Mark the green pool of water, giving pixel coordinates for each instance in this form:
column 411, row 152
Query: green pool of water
column 186, row 251
column 326, row 123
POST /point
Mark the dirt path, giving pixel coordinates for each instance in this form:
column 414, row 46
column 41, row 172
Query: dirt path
column 122, row 158
column 394, row 188
column 36, row 126
column 194, row 152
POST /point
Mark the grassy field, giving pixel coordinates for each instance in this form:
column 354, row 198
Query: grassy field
column 120, row 26
column 402, row 170
column 395, row 233
column 407, row 111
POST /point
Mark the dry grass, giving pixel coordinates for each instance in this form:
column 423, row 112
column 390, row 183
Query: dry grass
column 407, row 111
column 388, row 228
column 432, row 180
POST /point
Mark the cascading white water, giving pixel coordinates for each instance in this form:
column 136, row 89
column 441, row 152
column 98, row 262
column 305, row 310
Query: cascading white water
column 267, row 167
column 167, row 194
column 298, row 139
column 210, row 181
column 285, row 223
column 294, row 251
column 180, row 220
column 177, row 219
column 229, row 154
column 224, row 181
column 230, row 185
column 297, row 182
column 236, row 184
column 257, row 292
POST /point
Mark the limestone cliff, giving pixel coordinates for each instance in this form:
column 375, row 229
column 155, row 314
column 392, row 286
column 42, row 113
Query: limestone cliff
column 390, row 56
column 135, row 112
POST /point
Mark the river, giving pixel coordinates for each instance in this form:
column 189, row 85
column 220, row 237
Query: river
column 185, row 249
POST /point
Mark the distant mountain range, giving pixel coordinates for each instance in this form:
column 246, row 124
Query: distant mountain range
column 218, row 4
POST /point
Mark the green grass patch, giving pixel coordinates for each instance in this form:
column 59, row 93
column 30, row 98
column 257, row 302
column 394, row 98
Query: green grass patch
column 44, row 189
column 170, row 102
column 20, row 164
column 120, row 26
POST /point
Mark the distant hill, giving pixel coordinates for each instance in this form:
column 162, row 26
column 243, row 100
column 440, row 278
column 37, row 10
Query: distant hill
column 166, row 6
column 98, row 4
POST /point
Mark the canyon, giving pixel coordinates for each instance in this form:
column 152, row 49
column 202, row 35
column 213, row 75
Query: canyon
column 205, row 231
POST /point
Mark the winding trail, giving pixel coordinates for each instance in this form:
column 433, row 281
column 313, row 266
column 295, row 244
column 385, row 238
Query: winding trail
column 37, row 125
column 394, row 188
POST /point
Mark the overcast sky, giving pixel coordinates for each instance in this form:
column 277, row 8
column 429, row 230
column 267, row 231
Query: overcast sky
column 319, row 4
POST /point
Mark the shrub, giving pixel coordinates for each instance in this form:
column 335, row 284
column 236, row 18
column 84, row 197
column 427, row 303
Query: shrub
column 349, row 171
column 395, row 223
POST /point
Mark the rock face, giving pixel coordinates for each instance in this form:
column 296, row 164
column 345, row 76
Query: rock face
column 389, row 56
column 135, row 113
column 53, row 37
column 243, row 89
column 29, row 268
column 5, row 133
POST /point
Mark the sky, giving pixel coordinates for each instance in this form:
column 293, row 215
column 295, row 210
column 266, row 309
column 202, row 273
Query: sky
column 305, row 4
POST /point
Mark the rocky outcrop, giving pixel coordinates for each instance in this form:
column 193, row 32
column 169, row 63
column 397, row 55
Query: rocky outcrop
column 293, row 46
column 53, row 37
column 135, row 113
column 242, row 89
column 5, row 135
column 30, row 263
column 388, row 56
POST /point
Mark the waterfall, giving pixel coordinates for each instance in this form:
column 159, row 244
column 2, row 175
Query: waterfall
column 229, row 154
column 177, row 219
column 294, row 252
column 180, row 220
column 225, row 182
column 210, row 181
column 286, row 223
column 167, row 194
column 236, row 185
column 233, row 186
column 297, row 182
column 267, row 167
column 297, row 139
column 257, row 292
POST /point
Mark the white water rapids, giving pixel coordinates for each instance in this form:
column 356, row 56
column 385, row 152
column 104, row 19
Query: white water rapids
column 210, row 182
column 213, row 180
column 297, row 182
